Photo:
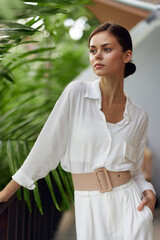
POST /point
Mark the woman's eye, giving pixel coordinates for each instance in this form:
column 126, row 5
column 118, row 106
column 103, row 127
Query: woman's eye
column 107, row 49
column 93, row 51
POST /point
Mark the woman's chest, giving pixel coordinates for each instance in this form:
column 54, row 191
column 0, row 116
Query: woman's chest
column 113, row 114
column 89, row 125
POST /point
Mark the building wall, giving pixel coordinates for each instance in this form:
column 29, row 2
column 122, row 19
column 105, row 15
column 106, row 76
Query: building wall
column 144, row 89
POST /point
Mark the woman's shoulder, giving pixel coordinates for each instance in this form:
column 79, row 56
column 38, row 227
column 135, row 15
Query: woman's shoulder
column 137, row 111
column 76, row 87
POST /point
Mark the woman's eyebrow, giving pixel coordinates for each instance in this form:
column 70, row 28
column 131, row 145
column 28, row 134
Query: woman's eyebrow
column 92, row 46
column 103, row 45
column 106, row 44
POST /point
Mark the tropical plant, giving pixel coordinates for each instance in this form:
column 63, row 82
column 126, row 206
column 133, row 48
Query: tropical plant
column 38, row 56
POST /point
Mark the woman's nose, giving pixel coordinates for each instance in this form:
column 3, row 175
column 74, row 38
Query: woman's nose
column 98, row 55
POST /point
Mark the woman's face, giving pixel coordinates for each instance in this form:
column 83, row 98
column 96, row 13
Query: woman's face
column 106, row 55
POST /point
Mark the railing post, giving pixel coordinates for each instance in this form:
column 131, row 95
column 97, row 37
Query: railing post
column 3, row 225
column 4, row 218
column 17, row 223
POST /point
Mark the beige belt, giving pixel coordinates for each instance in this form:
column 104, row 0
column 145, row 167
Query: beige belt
column 101, row 179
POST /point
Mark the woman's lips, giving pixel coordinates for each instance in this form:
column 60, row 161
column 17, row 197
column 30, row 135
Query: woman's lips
column 98, row 65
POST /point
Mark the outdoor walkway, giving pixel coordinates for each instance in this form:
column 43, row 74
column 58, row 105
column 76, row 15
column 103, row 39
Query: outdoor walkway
column 66, row 230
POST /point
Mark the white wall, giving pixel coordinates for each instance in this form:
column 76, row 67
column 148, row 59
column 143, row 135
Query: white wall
column 144, row 89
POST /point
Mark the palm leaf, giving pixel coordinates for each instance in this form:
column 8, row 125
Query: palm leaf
column 5, row 74
column 17, row 65
column 67, row 181
column 62, row 2
column 11, row 156
column 28, row 10
column 11, row 32
column 15, row 9
column 35, row 10
column 28, row 53
column 49, row 184
column 64, row 196
column 37, row 198
column 26, row 194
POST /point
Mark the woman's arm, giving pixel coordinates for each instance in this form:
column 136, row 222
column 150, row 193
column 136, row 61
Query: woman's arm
column 146, row 188
column 49, row 147
column 9, row 190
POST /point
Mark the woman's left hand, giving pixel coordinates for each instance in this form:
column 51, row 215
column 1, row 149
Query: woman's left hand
column 149, row 199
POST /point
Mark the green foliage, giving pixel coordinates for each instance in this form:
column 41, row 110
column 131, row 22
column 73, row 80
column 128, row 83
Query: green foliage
column 41, row 60
column 16, row 9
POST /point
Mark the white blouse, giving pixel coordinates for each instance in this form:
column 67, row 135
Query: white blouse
column 77, row 135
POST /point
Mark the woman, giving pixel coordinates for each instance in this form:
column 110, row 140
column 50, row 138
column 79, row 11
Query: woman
column 99, row 136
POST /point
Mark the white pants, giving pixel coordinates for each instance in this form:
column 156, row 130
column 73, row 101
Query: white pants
column 112, row 215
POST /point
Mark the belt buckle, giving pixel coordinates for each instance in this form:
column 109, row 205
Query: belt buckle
column 108, row 184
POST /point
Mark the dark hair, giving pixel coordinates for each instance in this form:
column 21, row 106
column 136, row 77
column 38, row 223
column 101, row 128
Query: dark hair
column 124, row 39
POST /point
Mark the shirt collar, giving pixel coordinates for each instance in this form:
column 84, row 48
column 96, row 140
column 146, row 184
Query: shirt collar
column 93, row 91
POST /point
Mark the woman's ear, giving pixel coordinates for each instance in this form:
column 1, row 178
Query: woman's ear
column 127, row 56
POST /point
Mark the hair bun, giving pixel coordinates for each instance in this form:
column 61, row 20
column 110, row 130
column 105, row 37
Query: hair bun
column 130, row 68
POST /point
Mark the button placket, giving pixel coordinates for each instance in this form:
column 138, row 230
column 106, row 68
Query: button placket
column 108, row 134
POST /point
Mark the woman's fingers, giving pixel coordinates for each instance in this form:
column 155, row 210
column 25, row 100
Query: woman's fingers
column 142, row 204
column 149, row 200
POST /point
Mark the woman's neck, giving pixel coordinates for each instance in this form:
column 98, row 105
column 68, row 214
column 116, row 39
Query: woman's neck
column 112, row 90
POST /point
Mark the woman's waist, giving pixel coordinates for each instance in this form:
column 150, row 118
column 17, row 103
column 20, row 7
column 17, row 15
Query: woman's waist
column 100, row 179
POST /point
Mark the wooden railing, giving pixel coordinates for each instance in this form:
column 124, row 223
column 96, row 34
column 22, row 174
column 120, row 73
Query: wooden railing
column 17, row 223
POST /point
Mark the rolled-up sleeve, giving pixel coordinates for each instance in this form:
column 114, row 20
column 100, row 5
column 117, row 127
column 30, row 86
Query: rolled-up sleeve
column 48, row 148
